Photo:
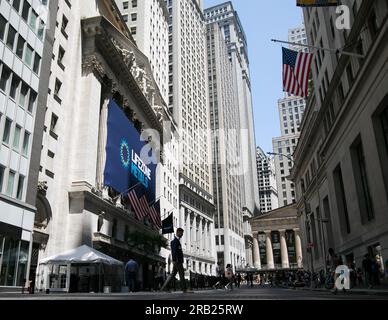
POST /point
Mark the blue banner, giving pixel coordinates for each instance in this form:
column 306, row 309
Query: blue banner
column 129, row 161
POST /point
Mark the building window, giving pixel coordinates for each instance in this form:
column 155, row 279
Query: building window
column 16, row 137
column 54, row 121
column 26, row 143
column 114, row 229
column 28, row 55
column 4, row 78
column 2, row 169
column 10, row 184
column 341, row 199
column 133, row 16
column 36, row 63
column 58, row 86
column 7, row 130
column 3, row 23
column 362, row 185
column 33, row 20
column 26, row 10
column 380, row 123
column 20, row 47
column 372, row 24
column 61, row 55
column 14, row 87
column 19, row 194
column 11, row 37
column 125, row 5
column 31, row 101
column 65, row 23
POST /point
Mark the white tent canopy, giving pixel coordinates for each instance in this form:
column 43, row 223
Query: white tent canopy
column 83, row 254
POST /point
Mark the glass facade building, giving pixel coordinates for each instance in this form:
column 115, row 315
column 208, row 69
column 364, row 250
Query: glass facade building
column 22, row 32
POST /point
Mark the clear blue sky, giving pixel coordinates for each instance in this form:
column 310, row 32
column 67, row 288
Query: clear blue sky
column 263, row 20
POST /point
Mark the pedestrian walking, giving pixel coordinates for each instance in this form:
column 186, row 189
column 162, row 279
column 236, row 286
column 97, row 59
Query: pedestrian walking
column 367, row 268
column 159, row 276
column 220, row 275
column 177, row 260
column 229, row 277
column 131, row 270
column 238, row 280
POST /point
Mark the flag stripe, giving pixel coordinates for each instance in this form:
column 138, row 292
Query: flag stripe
column 296, row 71
column 135, row 204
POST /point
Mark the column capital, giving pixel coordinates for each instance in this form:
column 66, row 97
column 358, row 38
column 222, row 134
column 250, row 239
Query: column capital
column 297, row 230
column 267, row 231
column 282, row 231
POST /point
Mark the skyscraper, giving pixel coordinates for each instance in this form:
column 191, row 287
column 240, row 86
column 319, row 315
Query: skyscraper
column 291, row 110
column 227, row 174
column 25, row 57
column 236, row 42
column 148, row 22
column 268, row 191
column 188, row 101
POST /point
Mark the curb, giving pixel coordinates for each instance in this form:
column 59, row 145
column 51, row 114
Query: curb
column 352, row 291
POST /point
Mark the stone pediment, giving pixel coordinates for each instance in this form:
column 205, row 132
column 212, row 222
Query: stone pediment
column 113, row 56
column 281, row 213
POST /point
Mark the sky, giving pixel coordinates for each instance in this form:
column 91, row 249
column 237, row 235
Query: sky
column 263, row 21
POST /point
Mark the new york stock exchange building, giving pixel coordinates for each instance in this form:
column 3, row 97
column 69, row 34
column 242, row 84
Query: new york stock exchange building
column 104, row 182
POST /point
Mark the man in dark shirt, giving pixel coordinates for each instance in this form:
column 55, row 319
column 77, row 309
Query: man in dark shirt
column 177, row 260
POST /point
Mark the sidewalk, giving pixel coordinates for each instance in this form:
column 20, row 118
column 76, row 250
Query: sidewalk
column 379, row 291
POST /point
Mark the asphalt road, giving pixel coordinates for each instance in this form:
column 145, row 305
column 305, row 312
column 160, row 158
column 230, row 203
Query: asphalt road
column 219, row 295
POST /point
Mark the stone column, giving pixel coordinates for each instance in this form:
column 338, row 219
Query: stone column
column 102, row 138
column 187, row 231
column 256, row 252
column 182, row 217
column 284, row 250
column 194, row 237
column 298, row 248
column 207, row 242
column 268, row 243
column 201, row 238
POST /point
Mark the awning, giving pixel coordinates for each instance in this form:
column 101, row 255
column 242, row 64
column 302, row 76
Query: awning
column 83, row 254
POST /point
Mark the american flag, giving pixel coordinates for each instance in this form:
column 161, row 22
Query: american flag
column 155, row 215
column 139, row 204
column 296, row 72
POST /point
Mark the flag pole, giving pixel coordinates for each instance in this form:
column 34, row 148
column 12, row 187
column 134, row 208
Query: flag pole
column 155, row 201
column 127, row 191
column 338, row 51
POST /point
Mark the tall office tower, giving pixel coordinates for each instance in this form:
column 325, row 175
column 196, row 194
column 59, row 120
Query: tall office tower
column 298, row 35
column 291, row 110
column 236, row 42
column 188, row 101
column 25, row 56
column 268, row 191
column 148, row 22
column 227, row 177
